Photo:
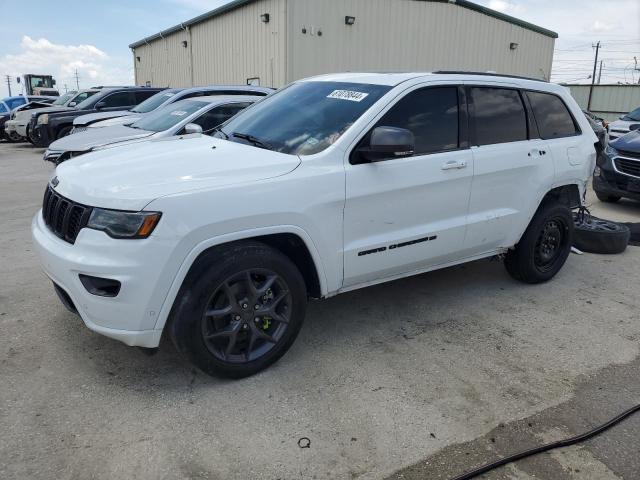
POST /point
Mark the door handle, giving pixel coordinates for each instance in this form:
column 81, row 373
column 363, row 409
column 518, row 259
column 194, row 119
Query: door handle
column 454, row 165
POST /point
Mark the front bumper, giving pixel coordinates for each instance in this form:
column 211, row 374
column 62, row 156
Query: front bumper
column 10, row 126
column 130, row 317
column 610, row 181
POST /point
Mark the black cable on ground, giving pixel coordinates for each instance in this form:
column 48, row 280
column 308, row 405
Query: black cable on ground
column 549, row 446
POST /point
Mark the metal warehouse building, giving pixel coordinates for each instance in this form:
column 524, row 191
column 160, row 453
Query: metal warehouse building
column 273, row 42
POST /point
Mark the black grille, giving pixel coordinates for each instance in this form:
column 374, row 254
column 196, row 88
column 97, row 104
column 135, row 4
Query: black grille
column 64, row 217
column 624, row 153
column 630, row 167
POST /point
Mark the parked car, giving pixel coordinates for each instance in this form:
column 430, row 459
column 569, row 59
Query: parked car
column 599, row 120
column 170, row 95
column 16, row 126
column 601, row 133
column 331, row 184
column 193, row 115
column 49, row 126
column 624, row 124
column 617, row 174
column 7, row 106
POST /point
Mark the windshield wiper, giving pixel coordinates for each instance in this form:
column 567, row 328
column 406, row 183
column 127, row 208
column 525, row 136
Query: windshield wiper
column 255, row 140
column 219, row 130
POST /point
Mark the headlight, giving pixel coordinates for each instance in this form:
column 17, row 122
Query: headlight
column 118, row 224
column 43, row 119
column 612, row 152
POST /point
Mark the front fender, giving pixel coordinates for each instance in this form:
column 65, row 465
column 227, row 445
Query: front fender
column 232, row 237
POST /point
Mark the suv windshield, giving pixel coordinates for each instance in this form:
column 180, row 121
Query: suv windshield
column 166, row 117
column 155, row 101
column 63, row 99
column 634, row 115
column 304, row 118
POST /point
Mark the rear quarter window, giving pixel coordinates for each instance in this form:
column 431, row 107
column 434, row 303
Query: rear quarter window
column 552, row 116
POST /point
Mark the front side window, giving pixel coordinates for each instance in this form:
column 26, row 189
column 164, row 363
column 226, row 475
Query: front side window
column 3, row 107
column 431, row 114
column 552, row 116
column 304, row 118
column 155, row 101
column 499, row 115
column 169, row 116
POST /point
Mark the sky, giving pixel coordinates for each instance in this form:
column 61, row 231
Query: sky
column 92, row 37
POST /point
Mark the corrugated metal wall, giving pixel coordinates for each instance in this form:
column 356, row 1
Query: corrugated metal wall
column 608, row 101
column 409, row 35
column 389, row 35
column 227, row 49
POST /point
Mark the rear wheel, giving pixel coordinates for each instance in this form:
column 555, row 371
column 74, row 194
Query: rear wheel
column 239, row 310
column 544, row 247
column 603, row 197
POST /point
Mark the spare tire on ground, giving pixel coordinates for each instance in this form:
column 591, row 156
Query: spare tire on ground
column 595, row 235
column 635, row 233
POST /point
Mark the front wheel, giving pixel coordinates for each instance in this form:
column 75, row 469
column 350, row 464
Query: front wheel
column 239, row 310
column 544, row 247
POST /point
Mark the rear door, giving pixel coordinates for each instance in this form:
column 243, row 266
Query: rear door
column 406, row 214
column 511, row 166
column 560, row 132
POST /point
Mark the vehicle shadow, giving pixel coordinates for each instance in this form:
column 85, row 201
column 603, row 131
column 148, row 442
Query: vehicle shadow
column 378, row 318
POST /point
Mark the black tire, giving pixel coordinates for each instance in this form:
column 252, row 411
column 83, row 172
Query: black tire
column 544, row 247
column 63, row 132
column 595, row 235
column 29, row 139
column 200, row 328
column 603, row 197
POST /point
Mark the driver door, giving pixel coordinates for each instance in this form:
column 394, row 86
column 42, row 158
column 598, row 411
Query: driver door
column 407, row 214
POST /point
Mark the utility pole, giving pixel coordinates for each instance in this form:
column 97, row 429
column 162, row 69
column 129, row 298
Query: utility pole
column 77, row 79
column 635, row 59
column 65, row 88
column 8, row 83
column 593, row 77
column 600, row 72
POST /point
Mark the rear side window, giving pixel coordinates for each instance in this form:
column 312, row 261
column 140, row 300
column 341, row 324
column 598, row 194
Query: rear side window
column 552, row 116
column 431, row 114
column 218, row 115
column 499, row 116
column 142, row 95
column 120, row 99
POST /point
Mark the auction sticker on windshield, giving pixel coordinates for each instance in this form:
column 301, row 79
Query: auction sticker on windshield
column 348, row 95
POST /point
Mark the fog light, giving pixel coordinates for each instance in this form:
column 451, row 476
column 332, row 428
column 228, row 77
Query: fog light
column 102, row 287
column 596, row 172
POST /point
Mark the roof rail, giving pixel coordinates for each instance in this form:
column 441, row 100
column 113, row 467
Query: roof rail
column 486, row 74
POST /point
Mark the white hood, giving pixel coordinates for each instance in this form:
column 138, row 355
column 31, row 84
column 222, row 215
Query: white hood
column 129, row 178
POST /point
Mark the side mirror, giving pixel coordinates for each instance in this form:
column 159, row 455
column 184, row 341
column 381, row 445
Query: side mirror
column 190, row 128
column 100, row 105
column 72, row 104
column 387, row 143
column 634, row 127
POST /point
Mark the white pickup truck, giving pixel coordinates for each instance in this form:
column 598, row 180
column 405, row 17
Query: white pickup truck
column 331, row 184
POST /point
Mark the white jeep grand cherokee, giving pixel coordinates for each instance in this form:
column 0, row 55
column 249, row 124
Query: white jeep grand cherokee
column 331, row 184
